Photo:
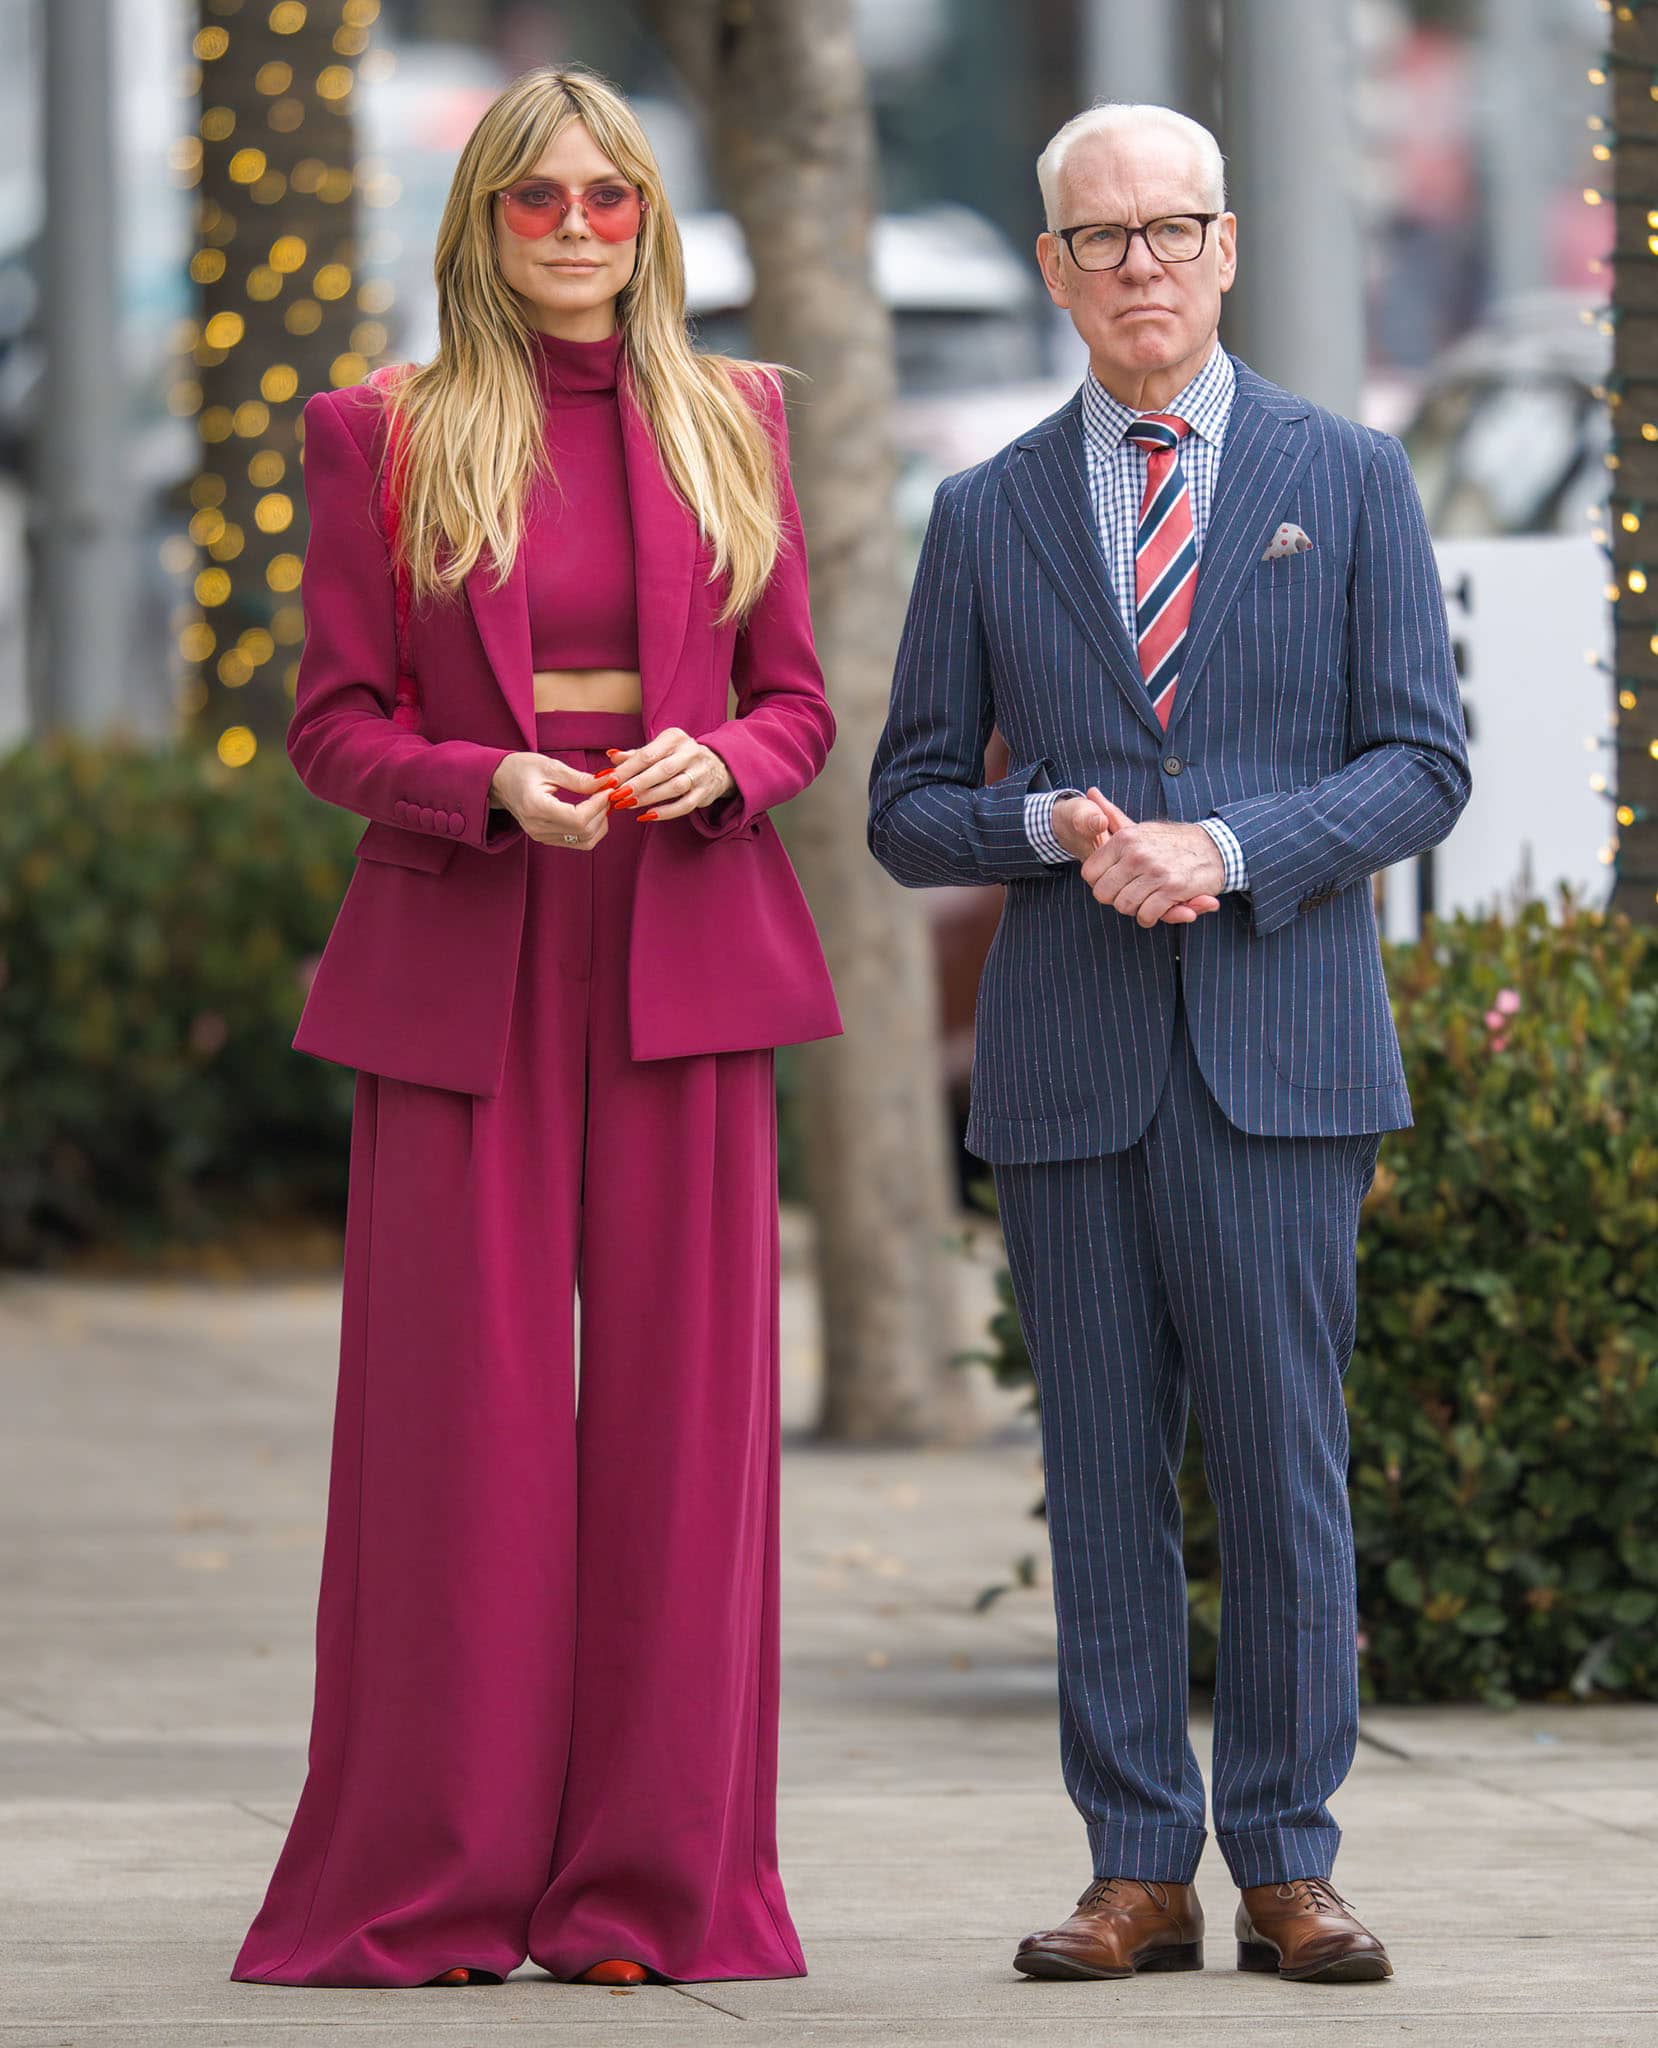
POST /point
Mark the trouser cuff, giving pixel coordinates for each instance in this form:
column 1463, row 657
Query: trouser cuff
column 1275, row 1855
column 1156, row 1855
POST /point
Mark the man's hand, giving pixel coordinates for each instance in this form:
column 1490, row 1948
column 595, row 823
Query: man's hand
column 1159, row 872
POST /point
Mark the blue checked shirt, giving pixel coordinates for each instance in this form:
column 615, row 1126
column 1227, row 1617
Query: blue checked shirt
column 1117, row 483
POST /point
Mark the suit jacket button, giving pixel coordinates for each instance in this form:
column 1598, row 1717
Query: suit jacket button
column 1172, row 764
column 457, row 822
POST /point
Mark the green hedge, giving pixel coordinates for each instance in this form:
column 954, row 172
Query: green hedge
column 160, row 914
column 1503, row 1395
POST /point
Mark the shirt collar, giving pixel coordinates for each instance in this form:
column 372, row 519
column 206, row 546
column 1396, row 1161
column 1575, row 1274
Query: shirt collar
column 1205, row 405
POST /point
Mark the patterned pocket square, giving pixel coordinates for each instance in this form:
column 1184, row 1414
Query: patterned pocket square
column 1288, row 540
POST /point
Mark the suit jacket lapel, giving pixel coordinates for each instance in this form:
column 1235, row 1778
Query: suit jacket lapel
column 503, row 621
column 1047, row 484
column 664, row 558
column 665, row 540
column 1268, row 444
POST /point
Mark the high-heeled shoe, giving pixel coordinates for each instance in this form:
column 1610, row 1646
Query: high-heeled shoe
column 618, row 1970
column 464, row 1974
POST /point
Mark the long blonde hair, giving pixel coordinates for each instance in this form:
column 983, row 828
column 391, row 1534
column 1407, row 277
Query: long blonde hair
column 468, row 425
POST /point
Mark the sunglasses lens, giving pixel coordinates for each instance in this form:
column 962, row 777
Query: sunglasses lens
column 533, row 210
column 613, row 212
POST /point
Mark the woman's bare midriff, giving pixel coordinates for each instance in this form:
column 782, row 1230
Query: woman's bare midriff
column 587, row 689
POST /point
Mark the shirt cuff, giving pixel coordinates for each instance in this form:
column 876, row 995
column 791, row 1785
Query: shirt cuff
column 1039, row 828
column 1231, row 853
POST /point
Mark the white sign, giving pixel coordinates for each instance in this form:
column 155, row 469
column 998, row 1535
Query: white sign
column 1531, row 627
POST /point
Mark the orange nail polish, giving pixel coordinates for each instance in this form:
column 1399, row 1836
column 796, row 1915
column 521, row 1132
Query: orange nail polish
column 607, row 780
column 624, row 803
column 646, row 816
column 613, row 753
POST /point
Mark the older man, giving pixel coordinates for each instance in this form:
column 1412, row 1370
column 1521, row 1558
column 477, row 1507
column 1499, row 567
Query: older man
column 1205, row 616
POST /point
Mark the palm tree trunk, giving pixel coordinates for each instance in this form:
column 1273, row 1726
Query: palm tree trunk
column 783, row 92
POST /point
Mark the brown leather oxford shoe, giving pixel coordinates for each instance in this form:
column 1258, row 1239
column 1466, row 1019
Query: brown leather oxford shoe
column 1121, row 1925
column 1308, row 1933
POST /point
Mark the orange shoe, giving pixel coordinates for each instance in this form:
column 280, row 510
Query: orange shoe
column 462, row 1975
column 616, row 1971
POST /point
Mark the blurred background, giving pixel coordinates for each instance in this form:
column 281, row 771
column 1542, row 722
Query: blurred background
column 208, row 211
column 1448, row 228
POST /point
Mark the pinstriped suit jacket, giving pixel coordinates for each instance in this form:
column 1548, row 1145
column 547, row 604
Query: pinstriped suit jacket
column 1318, row 713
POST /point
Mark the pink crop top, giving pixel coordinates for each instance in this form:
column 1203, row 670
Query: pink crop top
column 578, row 532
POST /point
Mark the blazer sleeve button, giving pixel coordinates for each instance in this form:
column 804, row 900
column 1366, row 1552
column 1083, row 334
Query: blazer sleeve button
column 426, row 817
column 457, row 821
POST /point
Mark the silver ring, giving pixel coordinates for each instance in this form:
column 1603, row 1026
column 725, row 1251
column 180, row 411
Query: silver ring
column 570, row 839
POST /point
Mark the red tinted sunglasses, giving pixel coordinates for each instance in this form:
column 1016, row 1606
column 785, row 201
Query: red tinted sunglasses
column 538, row 207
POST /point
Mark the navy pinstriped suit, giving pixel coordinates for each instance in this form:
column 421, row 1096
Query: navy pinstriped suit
column 1183, row 1120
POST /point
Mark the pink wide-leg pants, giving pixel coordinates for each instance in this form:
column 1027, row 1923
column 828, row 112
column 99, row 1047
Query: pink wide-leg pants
column 545, row 1721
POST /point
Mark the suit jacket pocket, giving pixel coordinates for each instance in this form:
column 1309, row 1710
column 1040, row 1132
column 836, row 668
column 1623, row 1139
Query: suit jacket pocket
column 405, row 849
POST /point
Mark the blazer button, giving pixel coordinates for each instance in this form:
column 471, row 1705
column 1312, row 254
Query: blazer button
column 457, row 823
column 1172, row 764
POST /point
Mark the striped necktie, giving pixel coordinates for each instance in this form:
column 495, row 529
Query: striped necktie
column 1165, row 558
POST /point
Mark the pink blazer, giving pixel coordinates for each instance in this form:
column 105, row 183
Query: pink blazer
column 416, row 980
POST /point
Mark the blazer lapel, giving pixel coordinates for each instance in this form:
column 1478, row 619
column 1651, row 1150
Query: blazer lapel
column 664, row 557
column 503, row 621
column 1047, row 484
column 1268, row 444
column 665, row 541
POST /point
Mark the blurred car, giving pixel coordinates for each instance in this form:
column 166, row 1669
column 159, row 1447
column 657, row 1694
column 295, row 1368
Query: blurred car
column 1510, row 430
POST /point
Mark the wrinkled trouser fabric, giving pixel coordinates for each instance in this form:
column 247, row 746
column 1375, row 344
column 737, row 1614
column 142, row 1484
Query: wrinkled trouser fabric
column 545, row 1721
column 1203, row 1264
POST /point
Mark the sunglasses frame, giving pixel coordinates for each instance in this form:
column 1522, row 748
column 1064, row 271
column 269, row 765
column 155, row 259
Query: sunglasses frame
column 572, row 195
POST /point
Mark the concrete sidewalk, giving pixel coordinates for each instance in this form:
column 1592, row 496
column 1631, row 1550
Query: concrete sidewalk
column 161, row 1522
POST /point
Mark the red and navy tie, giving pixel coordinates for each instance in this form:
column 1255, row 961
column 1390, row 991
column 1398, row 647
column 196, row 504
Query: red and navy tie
column 1165, row 558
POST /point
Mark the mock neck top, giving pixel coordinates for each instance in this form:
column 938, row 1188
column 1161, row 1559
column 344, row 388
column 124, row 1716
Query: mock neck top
column 578, row 530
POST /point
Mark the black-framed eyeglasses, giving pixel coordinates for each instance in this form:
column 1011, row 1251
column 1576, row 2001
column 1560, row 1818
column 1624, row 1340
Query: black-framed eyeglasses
column 1104, row 244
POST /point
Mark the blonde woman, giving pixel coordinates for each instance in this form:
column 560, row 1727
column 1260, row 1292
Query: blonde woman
column 547, row 1655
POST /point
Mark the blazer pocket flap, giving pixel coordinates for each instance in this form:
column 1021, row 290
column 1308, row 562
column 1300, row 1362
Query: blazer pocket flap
column 404, row 848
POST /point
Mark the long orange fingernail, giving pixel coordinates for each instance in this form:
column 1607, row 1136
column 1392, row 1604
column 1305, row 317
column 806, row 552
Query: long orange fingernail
column 624, row 803
column 607, row 780
column 613, row 753
column 646, row 816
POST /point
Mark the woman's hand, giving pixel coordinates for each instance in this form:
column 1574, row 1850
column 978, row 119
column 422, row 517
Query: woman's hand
column 672, row 775
column 528, row 785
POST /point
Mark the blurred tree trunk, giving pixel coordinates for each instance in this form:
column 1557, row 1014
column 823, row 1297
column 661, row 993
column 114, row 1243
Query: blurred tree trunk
column 1634, row 482
column 282, row 313
column 787, row 116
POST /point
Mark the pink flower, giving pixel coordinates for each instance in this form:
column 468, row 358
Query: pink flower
column 1508, row 1001
column 1494, row 1020
column 1498, row 1042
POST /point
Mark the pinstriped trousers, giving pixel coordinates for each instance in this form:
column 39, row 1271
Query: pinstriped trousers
column 1200, row 1263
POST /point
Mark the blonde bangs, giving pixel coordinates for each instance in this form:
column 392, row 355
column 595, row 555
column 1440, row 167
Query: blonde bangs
column 468, row 424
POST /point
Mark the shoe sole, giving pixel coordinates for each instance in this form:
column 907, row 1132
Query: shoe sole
column 1262, row 1958
column 1039, row 1962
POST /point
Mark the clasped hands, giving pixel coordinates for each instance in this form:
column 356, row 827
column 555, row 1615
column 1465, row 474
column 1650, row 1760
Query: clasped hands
column 668, row 777
column 1159, row 872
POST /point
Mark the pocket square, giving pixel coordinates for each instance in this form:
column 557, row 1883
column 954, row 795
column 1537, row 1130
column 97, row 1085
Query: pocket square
column 1288, row 540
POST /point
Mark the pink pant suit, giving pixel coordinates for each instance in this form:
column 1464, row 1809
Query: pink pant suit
column 545, row 1721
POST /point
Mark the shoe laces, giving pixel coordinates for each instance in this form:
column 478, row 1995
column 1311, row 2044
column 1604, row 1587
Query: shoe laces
column 1103, row 1888
column 1316, row 1894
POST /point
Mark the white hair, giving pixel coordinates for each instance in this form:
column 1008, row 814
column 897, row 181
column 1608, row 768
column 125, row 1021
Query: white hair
column 1118, row 117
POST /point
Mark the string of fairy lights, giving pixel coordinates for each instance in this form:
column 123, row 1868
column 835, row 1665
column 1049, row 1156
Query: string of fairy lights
column 215, row 551
column 1629, row 394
